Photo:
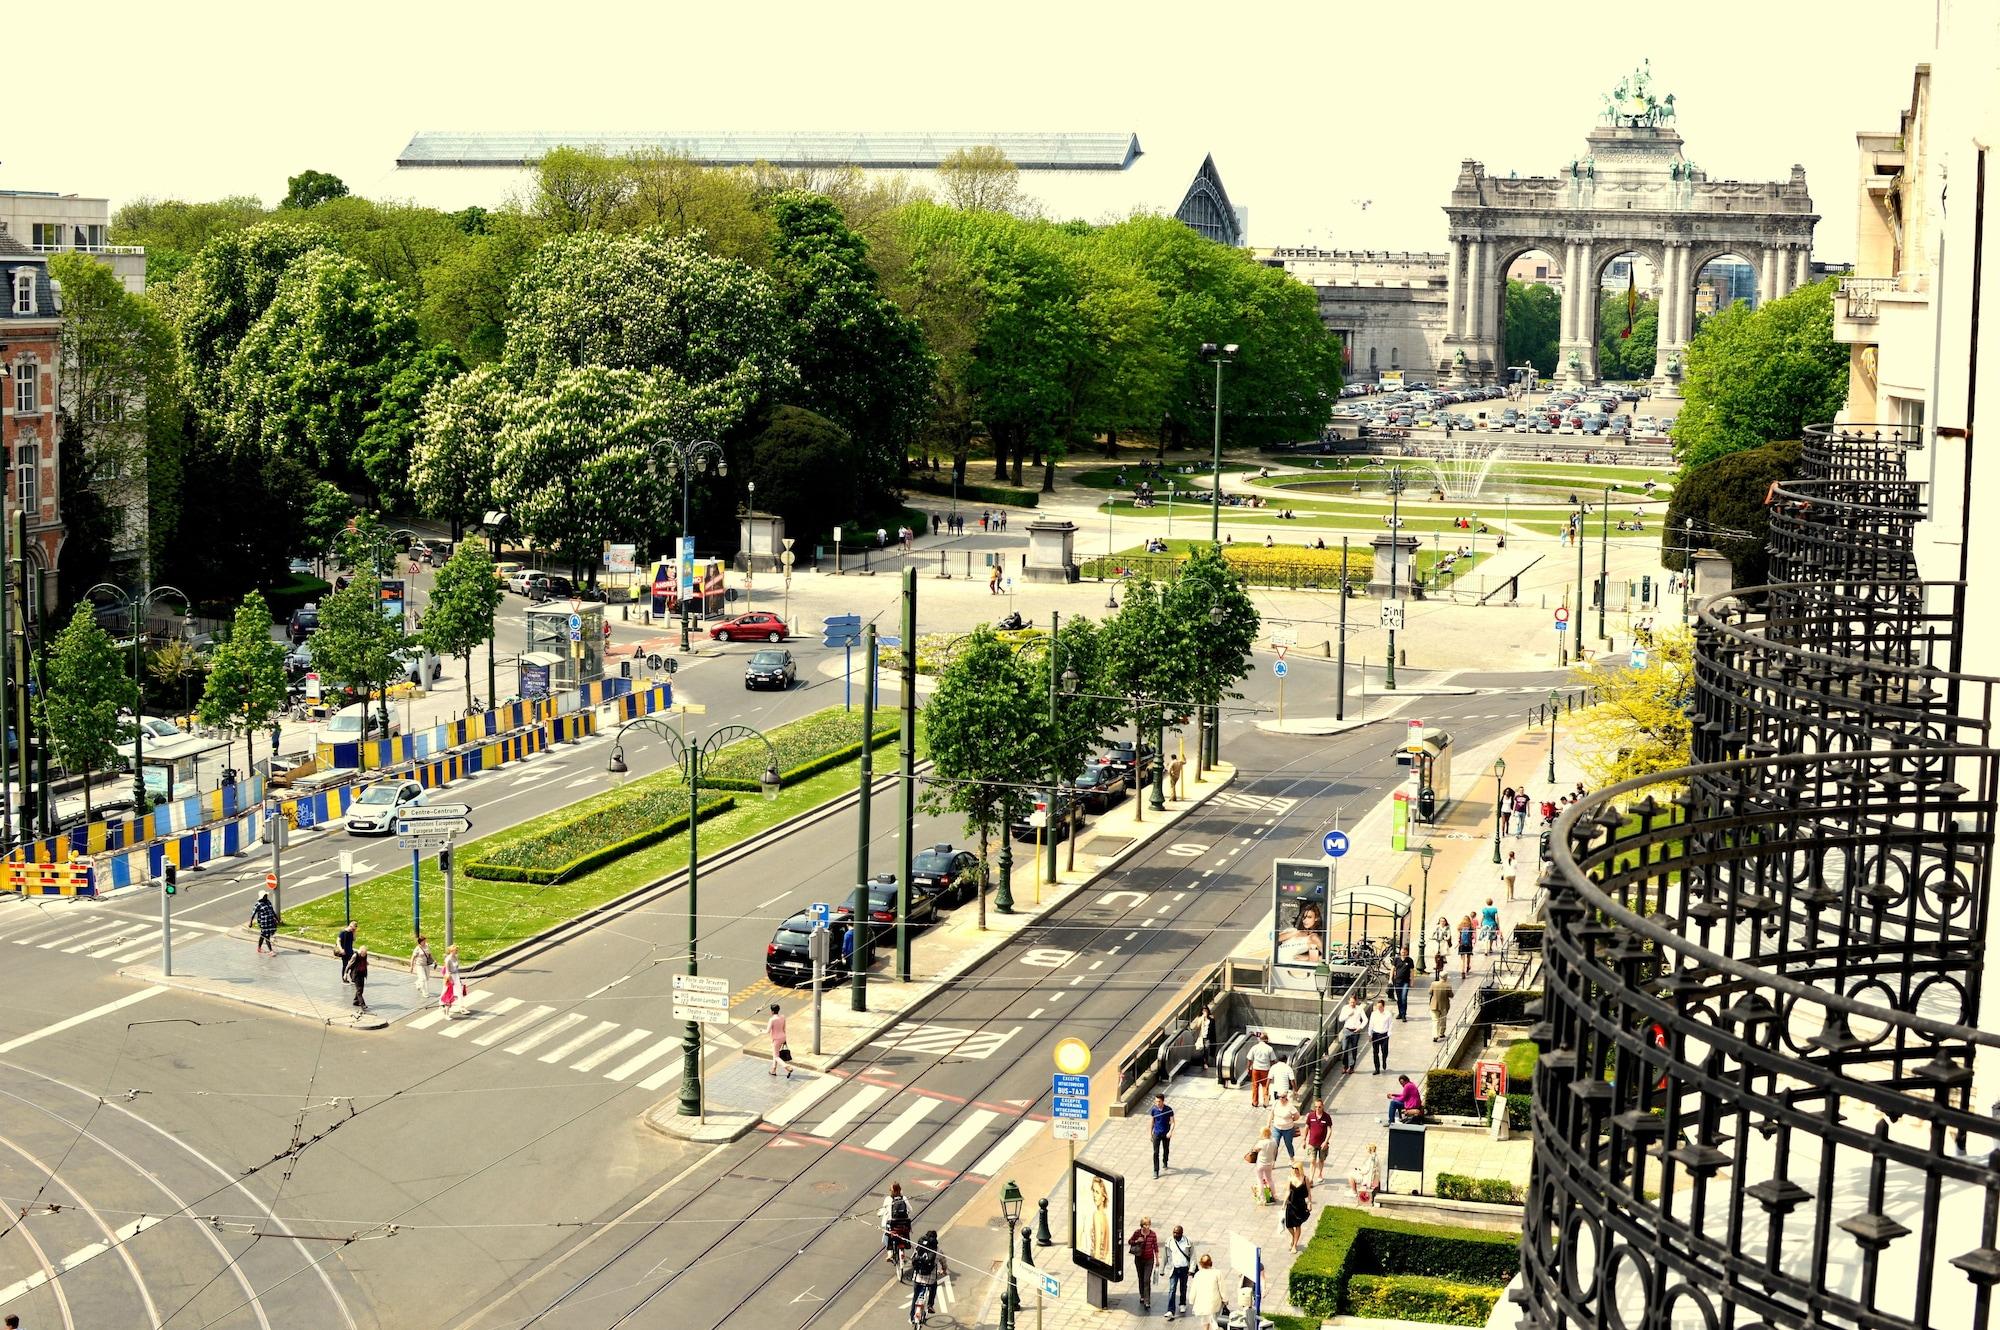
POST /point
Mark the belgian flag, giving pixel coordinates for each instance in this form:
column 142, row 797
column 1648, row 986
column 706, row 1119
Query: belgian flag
column 1631, row 299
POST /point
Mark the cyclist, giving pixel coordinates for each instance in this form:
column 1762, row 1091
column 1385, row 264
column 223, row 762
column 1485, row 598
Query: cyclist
column 895, row 1217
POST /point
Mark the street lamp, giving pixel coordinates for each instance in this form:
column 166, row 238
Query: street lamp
column 137, row 608
column 1068, row 682
column 693, row 759
column 1499, row 813
column 691, row 458
column 1218, row 356
column 1212, row 740
column 1323, row 985
column 1552, row 736
column 1010, row 1210
column 347, row 884
column 1424, row 857
column 750, row 554
column 1395, row 558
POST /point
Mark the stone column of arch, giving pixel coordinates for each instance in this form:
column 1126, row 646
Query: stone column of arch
column 1475, row 306
column 1454, row 293
column 1673, row 260
column 1580, row 284
column 1802, row 267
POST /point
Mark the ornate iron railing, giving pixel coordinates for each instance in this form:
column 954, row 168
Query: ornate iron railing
column 1755, row 1107
column 1857, row 295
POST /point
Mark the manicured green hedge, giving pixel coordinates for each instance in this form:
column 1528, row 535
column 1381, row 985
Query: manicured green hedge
column 1521, row 1057
column 1347, row 1243
column 1520, row 1111
column 534, row 859
column 1448, row 1091
column 1416, row 1298
column 804, row 747
column 1511, row 1006
column 1496, row 1191
column 1001, row 494
column 1528, row 937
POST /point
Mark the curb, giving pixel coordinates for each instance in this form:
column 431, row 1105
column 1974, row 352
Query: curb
column 150, row 975
column 723, row 1125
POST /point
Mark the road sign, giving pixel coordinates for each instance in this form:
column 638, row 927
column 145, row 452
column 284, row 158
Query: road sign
column 1334, row 843
column 692, row 983
column 1278, row 668
column 433, row 830
column 1392, row 614
column 1051, row 1286
column 1638, row 658
column 1562, row 625
column 1069, row 1129
column 434, row 813
column 1070, row 1106
column 1562, row 614
column 1283, row 634
column 821, row 913
column 576, row 627
column 422, row 844
column 887, row 641
column 1070, row 1087
column 701, row 999
column 700, row 1015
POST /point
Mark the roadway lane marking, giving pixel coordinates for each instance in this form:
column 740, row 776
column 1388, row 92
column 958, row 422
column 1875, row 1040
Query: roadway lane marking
column 625, row 1070
column 774, row 900
column 71, row 1022
column 1010, row 1145
column 1130, row 936
column 1180, row 895
column 1112, row 952
column 76, row 1258
column 460, row 1029
column 961, row 1136
column 610, row 1050
column 556, row 1026
column 1150, row 923
column 99, row 933
column 899, row 1128
column 1074, row 982
column 499, row 1032
column 580, row 782
column 857, row 1104
column 1097, row 965
column 440, row 1012
column 1055, row 997
column 661, row 1077
column 1036, row 1013
column 594, row 1033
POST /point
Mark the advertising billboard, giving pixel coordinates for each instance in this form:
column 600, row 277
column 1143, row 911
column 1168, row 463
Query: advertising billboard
column 1097, row 1220
column 1301, row 930
column 393, row 603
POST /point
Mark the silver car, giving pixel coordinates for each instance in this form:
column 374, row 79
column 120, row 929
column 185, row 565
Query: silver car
column 374, row 813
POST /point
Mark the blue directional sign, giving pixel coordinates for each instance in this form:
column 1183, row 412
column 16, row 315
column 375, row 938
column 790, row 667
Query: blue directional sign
column 1071, row 1087
column 1562, row 625
column 576, row 627
column 1334, row 843
column 841, row 630
column 1638, row 663
column 821, row 913
column 1279, row 668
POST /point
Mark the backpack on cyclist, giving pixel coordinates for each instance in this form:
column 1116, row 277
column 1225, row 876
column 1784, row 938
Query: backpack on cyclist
column 899, row 1210
column 924, row 1262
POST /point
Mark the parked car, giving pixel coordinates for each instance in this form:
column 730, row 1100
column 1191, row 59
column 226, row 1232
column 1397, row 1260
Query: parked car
column 788, row 958
column 923, row 909
column 155, row 727
column 420, row 667
column 299, row 659
column 518, row 580
column 504, row 572
column 1098, row 786
column 758, row 626
column 1120, row 756
column 772, row 667
column 945, row 874
column 300, row 568
column 360, row 721
column 541, row 587
column 1058, row 824
column 374, row 813
column 305, row 622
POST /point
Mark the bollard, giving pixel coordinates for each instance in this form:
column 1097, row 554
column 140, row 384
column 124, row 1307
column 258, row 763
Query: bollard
column 1042, row 1236
column 942, row 571
column 625, row 613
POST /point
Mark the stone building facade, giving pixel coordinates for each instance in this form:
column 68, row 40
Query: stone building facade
column 1387, row 306
column 30, row 344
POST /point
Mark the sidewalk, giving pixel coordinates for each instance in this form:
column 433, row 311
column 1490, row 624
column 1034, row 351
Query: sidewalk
column 298, row 982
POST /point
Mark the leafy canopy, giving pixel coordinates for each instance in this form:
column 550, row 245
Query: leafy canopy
column 1755, row 376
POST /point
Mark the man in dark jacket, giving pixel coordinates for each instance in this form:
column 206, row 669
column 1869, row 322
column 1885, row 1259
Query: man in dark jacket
column 264, row 917
column 343, row 948
column 357, row 973
column 1399, row 983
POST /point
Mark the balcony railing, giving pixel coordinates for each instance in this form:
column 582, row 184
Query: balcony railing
column 1857, row 296
column 41, row 248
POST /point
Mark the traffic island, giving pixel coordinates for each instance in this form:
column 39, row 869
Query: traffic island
column 297, row 981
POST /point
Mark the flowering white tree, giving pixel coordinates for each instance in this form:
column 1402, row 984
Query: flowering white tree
column 451, row 468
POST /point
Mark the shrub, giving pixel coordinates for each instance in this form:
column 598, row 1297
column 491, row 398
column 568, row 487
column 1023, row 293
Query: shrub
column 805, row 747
column 573, row 848
column 1521, row 1057
column 1494, row 1191
column 1416, row 1298
column 1448, row 1090
column 1508, row 1006
column 1280, row 565
column 1001, row 494
column 1520, row 1111
column 1348, row 1243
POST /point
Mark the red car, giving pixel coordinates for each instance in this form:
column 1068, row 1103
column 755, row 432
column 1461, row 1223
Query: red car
column 755, row 627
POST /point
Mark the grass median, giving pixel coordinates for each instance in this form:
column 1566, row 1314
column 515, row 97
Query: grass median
column 488, row 915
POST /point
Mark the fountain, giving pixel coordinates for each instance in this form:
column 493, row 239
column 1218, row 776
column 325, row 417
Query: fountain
column 1459, row 466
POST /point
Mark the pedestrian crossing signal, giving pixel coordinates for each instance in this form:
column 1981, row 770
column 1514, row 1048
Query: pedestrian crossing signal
column 171, row 885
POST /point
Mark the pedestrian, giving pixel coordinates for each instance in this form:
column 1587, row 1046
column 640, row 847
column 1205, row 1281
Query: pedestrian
column 1441, row 936
column 1440, row 1003
column 1180, row 1265
column 1520, row 812
column 420, row 967
column 1205, row 1292
column 1437, row 965
column 1144, row 1244
column 1260, row 1058
column 1365, row 1178
column 1298, row 1204
column 1399, row 983
column 1406, row 1101
column 264, row 917
column 1262, row 1156
column 1318, row 1125
column 343, row 948
column 1285, row 1126
column 357, row 974
column 1283, row 1077
column 993, row 582
column 983, row 515
column 454, row 983
column 1163, row 1134
column 937, row 523
column 781, row 1051
column 1466, row 929
column 881, row 538
column 1378, row 1035
column 1489, row 923
column 927, row 1271
column 895, row 1218
column 1508, row 871
column 1204, row 1037
column 1353, row 1024
column 1175, row 766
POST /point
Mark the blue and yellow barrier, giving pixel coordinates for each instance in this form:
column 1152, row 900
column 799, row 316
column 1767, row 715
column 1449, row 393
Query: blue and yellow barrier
column 73, row 877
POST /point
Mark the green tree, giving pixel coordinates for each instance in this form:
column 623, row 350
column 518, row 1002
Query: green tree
column 222, row 293
column 988, row 746
column 1620, row 357
column 309, row 189
column 1216, row 621
column 84, row 688
column 1086, row 708
column 934, row 277
column 174, row 666
column 1720, row 505
column 240, row 520
column 1640, row 724
column 804, row 468
column 1148, row 662
column 328, row 512
column 173, row 231
column 451, row 466
column 389, row 430
column 1534, row 326
column 465, row 297
column 982, row 179
column 357, row 645
column 463, row 602
column 246, row 680
column 1758, row 376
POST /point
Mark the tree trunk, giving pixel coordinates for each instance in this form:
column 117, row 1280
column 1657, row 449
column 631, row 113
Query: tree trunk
column 466, row 661
column 86, row 796
column 1017, row 466
column 1111, row 443
column 983, row 846
column 999, row 438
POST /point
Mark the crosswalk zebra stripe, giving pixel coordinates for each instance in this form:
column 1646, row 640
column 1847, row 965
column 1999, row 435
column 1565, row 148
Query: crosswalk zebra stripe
column 610, row 1050
column 663, row 1076
column 461, row 1028
column 975, row 1122
column 93, row 937
column 1010, row 1145
column 554, row 1027
column 783, row 1114
column 858, row 1103
column 899, row 1128
column 440, row 1012
column 595, row 1032
column 630, row 1066
column 499, row 1032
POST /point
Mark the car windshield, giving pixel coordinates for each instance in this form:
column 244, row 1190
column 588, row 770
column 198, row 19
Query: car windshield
column 932, row 861
column 380, row 794
column 789, row 937
column 774, row 659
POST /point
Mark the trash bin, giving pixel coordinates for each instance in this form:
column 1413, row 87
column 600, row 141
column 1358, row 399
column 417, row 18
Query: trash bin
column 1406, row 1154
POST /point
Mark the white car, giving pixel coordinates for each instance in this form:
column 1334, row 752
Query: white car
column 374, row 813
column 360, row 720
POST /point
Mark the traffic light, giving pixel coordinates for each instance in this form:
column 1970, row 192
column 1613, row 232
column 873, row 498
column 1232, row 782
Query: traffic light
column 444, row 860
column 172, row 884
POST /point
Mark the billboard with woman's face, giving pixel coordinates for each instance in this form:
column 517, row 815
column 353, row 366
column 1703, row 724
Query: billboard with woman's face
column 1300, row 937
column 1097, row 1220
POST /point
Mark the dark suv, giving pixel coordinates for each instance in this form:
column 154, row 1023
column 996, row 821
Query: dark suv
column 305, row 622
column 944, row 873
column 1136, row 772
column 788, row 960
column 549, row 586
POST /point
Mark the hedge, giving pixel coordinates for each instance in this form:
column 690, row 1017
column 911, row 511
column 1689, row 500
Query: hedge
column 1001, row 494
column 513, row 869
column 804, row 747
column 1509, row 1006
column 1416, row 1298
column 1348, row 1242
column 1520, row 1111
column 1495, row 1191
column 1521, row 1057
column 1448, row 1091
column 1279, row 565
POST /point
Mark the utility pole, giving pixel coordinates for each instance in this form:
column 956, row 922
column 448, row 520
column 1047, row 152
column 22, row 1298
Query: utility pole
column 907, row 752
column 1604, row 560
column 1576, row 624
column 1055, row 775
column 1340, row 670
column 864, row 935
column 7, row 771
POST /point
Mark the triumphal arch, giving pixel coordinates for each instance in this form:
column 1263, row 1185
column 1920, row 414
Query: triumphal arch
column 1633, row 192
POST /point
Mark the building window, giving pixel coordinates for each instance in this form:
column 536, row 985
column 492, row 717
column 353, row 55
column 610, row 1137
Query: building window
column 27, row 466
column 1395, row 353
column 24, row 292
column 48, row 235
column 1371, row 359
column 26, row 382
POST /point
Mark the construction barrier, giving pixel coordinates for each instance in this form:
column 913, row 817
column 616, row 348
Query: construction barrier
column 72, row 877
column 165, row 820
column 642, row 702
column 572, row 727
column 303, row 812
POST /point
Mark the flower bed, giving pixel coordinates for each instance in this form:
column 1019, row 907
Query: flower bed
column 1279, row 565
column 599, row 836
column 1359, row 1263
column 804, row 747
column 1494, row 1191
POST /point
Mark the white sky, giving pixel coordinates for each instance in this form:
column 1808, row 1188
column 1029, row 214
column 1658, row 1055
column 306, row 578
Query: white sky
column 1306, row 107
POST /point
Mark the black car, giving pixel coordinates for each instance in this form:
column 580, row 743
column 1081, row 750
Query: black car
column 1059, row 820
column 770, row 668
column 550, row 586
column 923, row 909
column 945, row 874
column 788, row 958
column 1137, row 772
column 305, row 622
column 1098, row 786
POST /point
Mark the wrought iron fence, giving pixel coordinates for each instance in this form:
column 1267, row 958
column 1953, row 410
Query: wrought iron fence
column 1858, row 295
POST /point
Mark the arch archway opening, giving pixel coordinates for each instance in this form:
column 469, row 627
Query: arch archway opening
column 1531, row 312
column 1627, row 310
column 1723, row 280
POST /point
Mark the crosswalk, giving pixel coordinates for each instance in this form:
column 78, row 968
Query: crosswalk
column 898, row 1121
column 537, row 1032
column 89, row 929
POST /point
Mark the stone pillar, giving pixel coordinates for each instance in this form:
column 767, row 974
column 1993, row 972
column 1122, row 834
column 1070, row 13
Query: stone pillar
column 1586, row 312
column 1569, row 291
column 1804, row 258
column 1475, row 304
column 1454, row 291
column 1671, row 258
column 1767, row 278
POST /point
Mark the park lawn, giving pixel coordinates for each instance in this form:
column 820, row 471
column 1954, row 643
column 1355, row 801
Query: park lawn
column 1321, row 515
column 490, row 915
column 1106, row 477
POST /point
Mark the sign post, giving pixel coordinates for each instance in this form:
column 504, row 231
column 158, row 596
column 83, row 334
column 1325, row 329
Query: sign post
column 844, row 631
column 705, row 1002
column 820, row 947
column 1070, row 1107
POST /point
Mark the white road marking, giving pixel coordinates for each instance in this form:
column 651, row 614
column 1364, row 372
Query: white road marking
column 805, row 1098
column 1055, row 997
column 961, row 1136
column 610, row 1050
column 71, row 1022
column 661, row 1077
column 595, row 1032
column 440, row 1012
column 499, row 1032
column 1097, row 965
column 858, row 1103
column 1112, row 952
column 1149, row 923
column 461, row 1028
column 556, row 1026
column 1036, row 1013
column 774, row 900
column 1130, row 936
column 630, row 1066
column 900, row 1127
column 76, row 1258
column 1010, row 1145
